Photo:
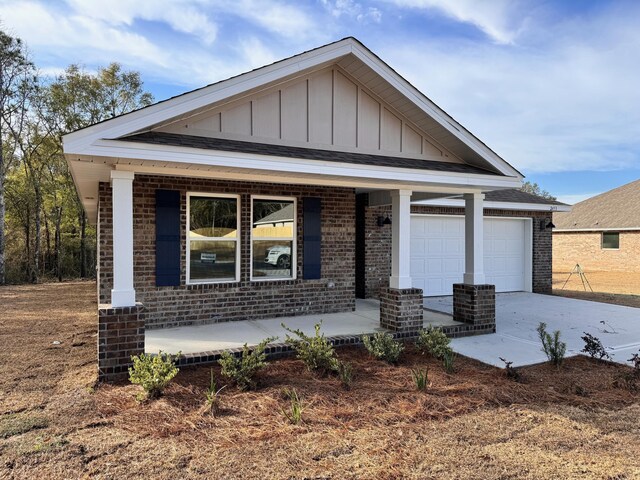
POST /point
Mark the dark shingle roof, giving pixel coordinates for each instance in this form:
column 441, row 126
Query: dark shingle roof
column 513, row 195
column 208, row 143
column 617, row 208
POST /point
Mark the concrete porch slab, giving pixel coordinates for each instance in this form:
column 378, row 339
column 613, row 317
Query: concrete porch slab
column 229, row 335
column 518, row 315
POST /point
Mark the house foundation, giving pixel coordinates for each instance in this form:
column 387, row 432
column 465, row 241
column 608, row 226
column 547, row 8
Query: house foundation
column 120, row 335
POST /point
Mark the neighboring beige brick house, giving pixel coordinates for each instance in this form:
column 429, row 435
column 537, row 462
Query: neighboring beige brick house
column 601, row 233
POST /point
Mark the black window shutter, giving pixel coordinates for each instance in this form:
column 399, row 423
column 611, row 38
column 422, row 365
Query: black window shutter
column 312, row 260
column 167, row 238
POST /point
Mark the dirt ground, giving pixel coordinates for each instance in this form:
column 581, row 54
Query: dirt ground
column 575, row 422
column 622, row 288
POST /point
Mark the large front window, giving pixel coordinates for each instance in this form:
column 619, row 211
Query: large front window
column 213, row 234
column 273, row 245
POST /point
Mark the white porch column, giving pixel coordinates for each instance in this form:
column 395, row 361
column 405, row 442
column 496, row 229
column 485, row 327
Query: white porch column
column 123, row 294
column 400, row 239
column 473, row 239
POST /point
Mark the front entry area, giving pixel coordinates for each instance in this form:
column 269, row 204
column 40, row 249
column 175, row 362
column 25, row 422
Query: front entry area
column 438, row 253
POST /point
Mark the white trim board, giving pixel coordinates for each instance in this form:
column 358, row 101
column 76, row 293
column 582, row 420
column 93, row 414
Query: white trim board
column 578, row 230
column 536, row 207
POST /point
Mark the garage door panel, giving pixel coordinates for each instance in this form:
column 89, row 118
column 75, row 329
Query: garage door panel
column 437, row 249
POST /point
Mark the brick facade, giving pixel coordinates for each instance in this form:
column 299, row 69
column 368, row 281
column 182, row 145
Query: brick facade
column 585, row 248
column 378, row 245
column 245, row 299
column 401, row 310
column 120, row 335
column 475, row 305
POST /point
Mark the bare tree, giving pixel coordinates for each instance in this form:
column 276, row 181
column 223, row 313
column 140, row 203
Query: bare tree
column 16, row 71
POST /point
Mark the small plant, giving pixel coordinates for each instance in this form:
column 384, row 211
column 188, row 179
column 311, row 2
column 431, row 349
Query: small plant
column 212, row 396
column 594, row 348
column 345, row 374
column 551, row 345
column 635, row 359
column 448, row 361
column 243, row 369
column 420, row 378
column 294, row 413
column 509, row 371
column 316, row 351
column 434, row 342
column 153, row 372
column 382, row 346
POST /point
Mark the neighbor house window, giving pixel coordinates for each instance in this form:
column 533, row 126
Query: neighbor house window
column 273, row 243
column 212, row 238
column 610, row 240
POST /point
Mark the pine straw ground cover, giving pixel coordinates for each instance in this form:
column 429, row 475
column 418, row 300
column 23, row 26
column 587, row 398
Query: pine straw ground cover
column 473, row 424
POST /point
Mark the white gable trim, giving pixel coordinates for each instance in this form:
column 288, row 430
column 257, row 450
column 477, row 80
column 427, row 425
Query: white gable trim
column 186, row 156
column 80, row 141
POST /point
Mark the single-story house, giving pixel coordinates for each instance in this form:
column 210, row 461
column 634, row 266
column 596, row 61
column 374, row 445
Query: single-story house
column 601, row 233
column 293, row 189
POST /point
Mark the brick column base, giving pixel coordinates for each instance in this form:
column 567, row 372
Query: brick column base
column 120, row 335
column 475, row 305
column 401, row 310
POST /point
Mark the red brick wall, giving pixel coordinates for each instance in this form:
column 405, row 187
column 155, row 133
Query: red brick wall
column 194, row 304
column 378, row 245
column 584, row 248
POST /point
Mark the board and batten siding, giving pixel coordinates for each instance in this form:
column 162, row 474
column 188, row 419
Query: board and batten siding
column 326, row 109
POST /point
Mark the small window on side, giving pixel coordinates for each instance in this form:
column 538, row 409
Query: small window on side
column 610, row 240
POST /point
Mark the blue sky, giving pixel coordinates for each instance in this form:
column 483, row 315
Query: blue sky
column 552, row 86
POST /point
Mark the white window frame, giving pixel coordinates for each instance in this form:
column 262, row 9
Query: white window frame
column 602, row 247
column 294, row 253
column 213, row 239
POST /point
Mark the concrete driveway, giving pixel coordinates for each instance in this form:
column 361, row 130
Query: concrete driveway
column 518, row 315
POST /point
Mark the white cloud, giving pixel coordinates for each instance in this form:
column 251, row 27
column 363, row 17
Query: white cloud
column 496, row 18
column 352, row 9
column 180, row 15
column 563, row 99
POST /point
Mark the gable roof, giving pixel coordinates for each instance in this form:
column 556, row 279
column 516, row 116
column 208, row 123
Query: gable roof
column 352, row 56
column 616, row 209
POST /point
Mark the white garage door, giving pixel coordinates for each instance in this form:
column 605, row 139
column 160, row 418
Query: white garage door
column 437, row 253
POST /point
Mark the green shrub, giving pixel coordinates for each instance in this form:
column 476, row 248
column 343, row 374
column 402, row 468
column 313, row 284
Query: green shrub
column 316, row 352
column 434, row 342
column 448, row 361
column 382, row 346
column 153, row 372
column 243, row 369
column 420, row 378
column 212, row 396
column 594, row 348
column 509, row 371
column 345, row 374
column 551, row 345
column 294, row 414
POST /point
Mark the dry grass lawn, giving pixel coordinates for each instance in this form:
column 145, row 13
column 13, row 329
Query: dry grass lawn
column 622, row 288
column 472, row 424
